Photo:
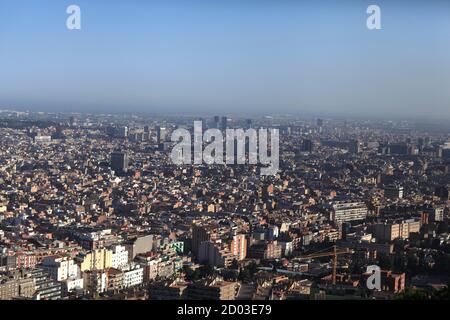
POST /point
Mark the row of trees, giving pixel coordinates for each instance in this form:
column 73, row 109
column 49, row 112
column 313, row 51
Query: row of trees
column 417, row 294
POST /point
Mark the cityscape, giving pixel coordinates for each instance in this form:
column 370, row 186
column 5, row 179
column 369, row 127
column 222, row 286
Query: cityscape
column 92, row 207
column 224, row 158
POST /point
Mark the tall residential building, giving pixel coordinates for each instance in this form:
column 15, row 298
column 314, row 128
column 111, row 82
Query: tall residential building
column 396, row 230
column 97, row 259
column 215, row 254
column 60, row 268
column 265, row 250
column 133, row 276
column 201, row 234
column 119, row 258
column 238, row 246
column 348, row 211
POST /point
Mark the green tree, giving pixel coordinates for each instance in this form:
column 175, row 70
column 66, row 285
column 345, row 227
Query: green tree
column 414, row 294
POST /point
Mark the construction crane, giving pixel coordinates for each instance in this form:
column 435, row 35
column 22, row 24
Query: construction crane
column 334, row 253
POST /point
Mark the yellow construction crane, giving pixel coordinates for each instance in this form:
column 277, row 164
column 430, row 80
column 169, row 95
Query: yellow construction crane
column 334, row 253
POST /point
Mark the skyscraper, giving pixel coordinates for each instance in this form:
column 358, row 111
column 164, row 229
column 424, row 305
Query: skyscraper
column 223, row 123
column 354, row 146
column 216, row 122
column 320, row 125
column 160, row 134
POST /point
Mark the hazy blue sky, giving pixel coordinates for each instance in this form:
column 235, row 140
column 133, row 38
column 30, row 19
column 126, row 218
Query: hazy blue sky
column 227, row 56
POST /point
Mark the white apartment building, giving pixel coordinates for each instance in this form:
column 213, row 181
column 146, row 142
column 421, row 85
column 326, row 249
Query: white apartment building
column 119, row 257
column 348, row 211
column 73, row 284
column 133, row 277
column 61, row 268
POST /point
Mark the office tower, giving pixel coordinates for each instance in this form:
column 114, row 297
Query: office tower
column 320, row 125
column 161, row 133
column 146, row 133
column 216, row 122
column 223, row 123
column 158, row 134
column 249, row 123
column 307, row 145
column 348, row 211
column 393, row 192
column 354, row 146
column 122, row 132
column 119, row 161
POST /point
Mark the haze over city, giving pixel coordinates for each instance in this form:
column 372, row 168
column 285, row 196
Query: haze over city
column 300, row 57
